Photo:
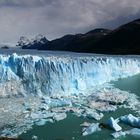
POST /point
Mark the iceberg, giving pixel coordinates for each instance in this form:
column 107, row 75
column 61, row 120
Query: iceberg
column 59, row 116
column 113, row 124
column 118, row 134
column 94, row 127
column 93, row 114
column 131, row 120
column 34, row 137
column 85, row 124
column 41, row 122
column 135, row 132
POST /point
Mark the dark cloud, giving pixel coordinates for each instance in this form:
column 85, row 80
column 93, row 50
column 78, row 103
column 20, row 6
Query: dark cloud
column 55, row 18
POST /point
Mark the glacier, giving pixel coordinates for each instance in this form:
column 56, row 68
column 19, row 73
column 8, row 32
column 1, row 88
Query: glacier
column 61, row 75
column 44, row 86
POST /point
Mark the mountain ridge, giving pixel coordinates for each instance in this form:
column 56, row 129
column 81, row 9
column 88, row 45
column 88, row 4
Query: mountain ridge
column 122, row 40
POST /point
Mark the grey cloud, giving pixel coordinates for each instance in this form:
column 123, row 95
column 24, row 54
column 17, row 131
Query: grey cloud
column 55, row 18
column 21, row 3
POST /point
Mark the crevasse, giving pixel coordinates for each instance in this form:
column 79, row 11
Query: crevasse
column 61, row 75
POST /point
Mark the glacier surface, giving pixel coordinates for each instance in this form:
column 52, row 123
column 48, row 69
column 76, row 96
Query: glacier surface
column 61, row 75
column 45, row 86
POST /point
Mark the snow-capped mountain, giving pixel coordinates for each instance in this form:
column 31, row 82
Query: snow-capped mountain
column 23, row 41
column 122, row 40
column 33, row 43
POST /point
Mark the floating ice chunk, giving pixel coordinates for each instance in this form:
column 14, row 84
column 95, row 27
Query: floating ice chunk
column 6, row 132
column 117, row 120
column 59, row 109
column 50, row 120
column 102, row 106
column 49, row 115
column 113, row 124
column 42, row 115
column 131, row 120
column 135, row 132
column 41, row 122
column 118, row 134
column 85, row 124
column 59, row 116
column 94, row 127
column 34, row 137
column 94, row 115
column 76, row 111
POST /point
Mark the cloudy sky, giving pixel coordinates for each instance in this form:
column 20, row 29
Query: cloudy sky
column 55, row 18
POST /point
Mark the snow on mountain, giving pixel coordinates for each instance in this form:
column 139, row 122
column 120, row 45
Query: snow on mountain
column 40, row 38
column 23, row 41
column 33, row 43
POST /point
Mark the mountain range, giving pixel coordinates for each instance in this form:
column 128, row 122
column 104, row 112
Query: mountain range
column 122, row 40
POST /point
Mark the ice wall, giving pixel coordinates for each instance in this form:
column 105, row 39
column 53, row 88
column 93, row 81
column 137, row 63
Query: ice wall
column 60, row 75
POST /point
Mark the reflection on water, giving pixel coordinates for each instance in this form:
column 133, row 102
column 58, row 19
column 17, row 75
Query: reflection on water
column 70, row 129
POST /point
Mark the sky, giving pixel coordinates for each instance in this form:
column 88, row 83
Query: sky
column 55, row 18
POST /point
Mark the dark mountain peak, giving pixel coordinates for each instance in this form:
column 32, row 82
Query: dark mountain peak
column 123, row 40
column 133, row 25
column 136, row 21
column 70, row 36
column 40, row 39
column 99, row 31
column 66, row 37
column 23, row 41
column 96, row 33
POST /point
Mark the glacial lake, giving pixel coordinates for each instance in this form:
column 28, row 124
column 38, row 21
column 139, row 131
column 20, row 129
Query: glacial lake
column 70, row 129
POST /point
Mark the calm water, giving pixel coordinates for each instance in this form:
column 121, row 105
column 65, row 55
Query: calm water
column 69, row 129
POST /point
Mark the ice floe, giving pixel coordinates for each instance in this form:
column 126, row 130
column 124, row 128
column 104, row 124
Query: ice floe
column 131, row 120
column 93, row 114
column 59, row 116
column 94, row 127
column 85, row 124
column 34, row 137
column 41, row 122
column 118, row 134
column 113, row 124
column 45, row 109
column 134, row 132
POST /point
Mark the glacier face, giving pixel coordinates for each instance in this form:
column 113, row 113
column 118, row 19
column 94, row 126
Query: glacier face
column 61, row 75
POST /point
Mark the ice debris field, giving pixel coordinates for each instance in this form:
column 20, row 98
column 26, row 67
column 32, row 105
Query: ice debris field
column 35, row 89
